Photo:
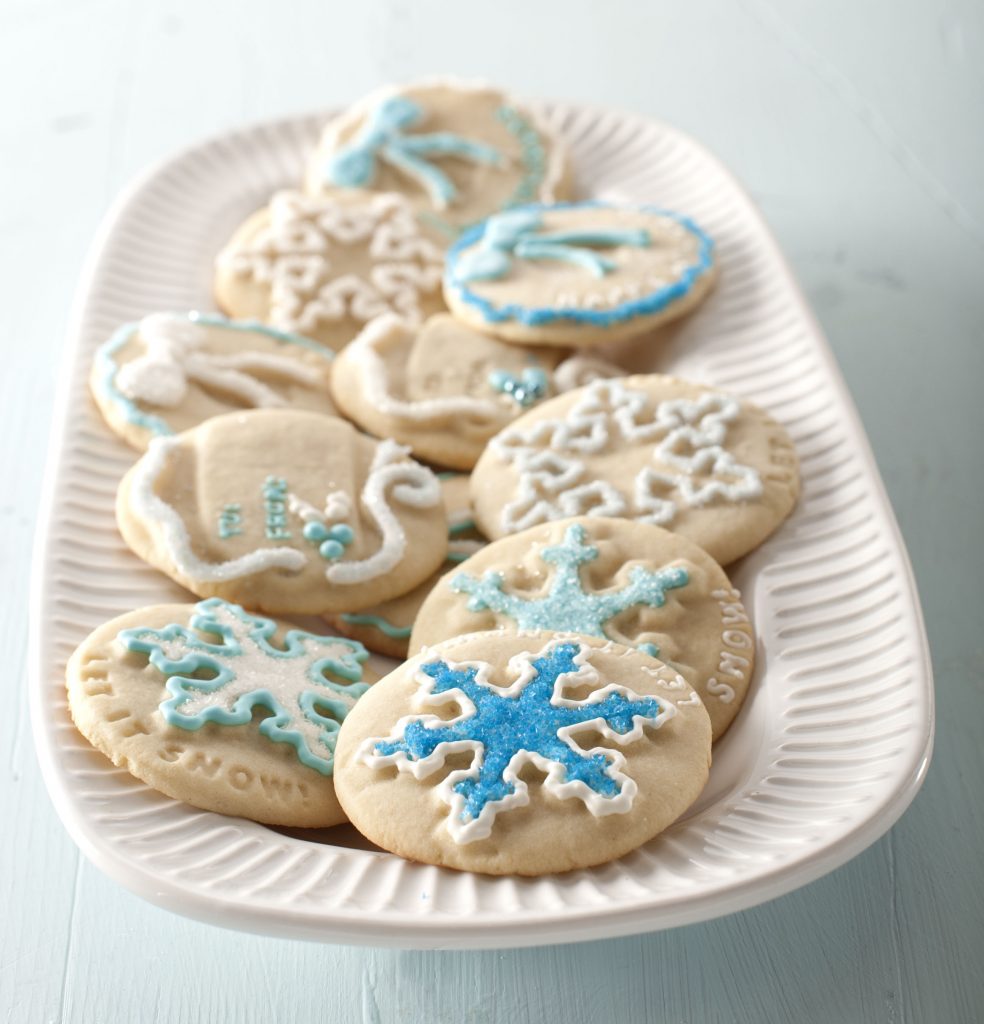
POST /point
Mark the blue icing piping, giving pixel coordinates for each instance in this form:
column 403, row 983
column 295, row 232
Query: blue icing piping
column 568, row 607
column 382, row 137
column 307, row 711
column 534, row 316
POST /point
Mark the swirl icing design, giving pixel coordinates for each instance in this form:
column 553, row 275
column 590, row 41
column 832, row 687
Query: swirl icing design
column 693, row 468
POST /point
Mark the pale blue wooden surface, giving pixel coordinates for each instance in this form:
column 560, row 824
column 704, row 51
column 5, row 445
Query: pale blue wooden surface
column 857, row 128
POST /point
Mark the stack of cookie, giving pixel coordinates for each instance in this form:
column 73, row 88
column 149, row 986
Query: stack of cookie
column 407, row 425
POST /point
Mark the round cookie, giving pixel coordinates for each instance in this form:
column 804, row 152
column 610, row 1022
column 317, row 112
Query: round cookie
column 458, row 151
column 324, row 267
column 285, row 512
column 522, row 753
column 445, row 389
column 385, row 628
column 171, row 371
column 578, row 274
column 219, row 708
column 696, row 461
column 613, row 578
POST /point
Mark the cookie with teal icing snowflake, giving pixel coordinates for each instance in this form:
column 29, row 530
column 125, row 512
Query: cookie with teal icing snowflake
column 171, row 371
column 615, row 579
column 456, row 150
column 522, row 753
column 385, row 628
column 220, row 708
column 444, row 388
column 284, row 511
column 700, row 462
column 578, row 274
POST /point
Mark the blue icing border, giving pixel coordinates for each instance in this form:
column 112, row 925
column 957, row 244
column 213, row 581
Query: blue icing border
column 106, row 366
column 534, row 316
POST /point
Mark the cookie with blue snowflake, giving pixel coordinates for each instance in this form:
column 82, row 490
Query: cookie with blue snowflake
column 630, row 582
column 523, row 753
column 226, row 710
column 578, row 274
column 444, row 389
column 700, row 462
column 457, row 151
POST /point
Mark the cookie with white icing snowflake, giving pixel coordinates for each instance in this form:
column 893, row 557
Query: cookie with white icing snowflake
column 223, row 709
column 578, row 274
column 612, row 578
column 324, row 267
column 444, row 388
column 285, row 512
column 693, row 460
column 385, row 628
column 171, row 371
column 458, row 151
column 522, row 753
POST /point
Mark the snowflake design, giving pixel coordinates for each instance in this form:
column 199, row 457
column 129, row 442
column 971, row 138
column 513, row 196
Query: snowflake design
column 295, row 254
column 694, row 469
column 529, row 722
column 293, row 683
column 568, row 606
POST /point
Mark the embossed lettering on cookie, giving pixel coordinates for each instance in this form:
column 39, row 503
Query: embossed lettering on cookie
column 522, row 753
column 284, row 511
column 578, row 274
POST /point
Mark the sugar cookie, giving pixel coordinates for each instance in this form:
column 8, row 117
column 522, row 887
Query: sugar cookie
column 171, row 371
column 458, row 151
column 696, row 461
column 522, row 753
column 284, row 512
column 220, row 708
column 578, row 274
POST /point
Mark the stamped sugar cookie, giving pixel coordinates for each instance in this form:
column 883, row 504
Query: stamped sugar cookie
column 443, row 388
column 612, row 578
column 458, row 151
column 284, row 511
column 172, row 371
column 578, row 274
column 522, row 753
column 385, row 628
column 220, row 708
column 656, row 449
column 324, row 267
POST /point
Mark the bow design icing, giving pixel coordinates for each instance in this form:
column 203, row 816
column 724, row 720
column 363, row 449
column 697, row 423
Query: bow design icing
column 382, row 138
column 516, row 234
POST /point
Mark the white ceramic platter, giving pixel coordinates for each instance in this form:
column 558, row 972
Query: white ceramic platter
column 830, row 748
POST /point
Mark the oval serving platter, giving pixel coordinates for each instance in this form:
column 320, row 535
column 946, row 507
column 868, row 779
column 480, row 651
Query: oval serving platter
column 830, row 748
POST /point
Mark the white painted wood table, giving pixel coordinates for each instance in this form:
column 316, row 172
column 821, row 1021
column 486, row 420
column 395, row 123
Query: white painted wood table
column 857, row 129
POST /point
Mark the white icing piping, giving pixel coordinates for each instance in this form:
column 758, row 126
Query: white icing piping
column 152, row 509
column 174, row 356
column 411, row 484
